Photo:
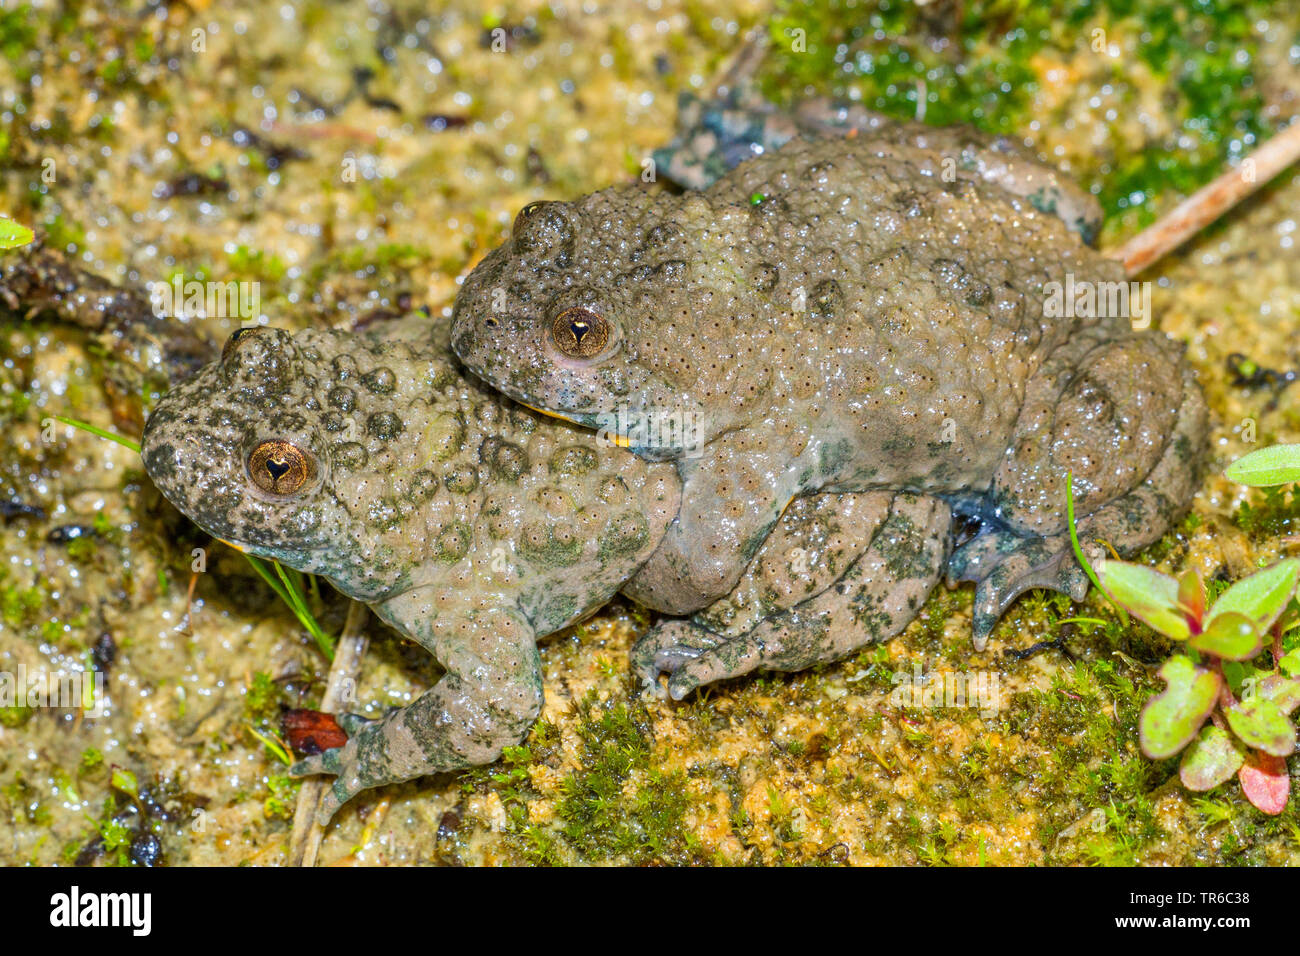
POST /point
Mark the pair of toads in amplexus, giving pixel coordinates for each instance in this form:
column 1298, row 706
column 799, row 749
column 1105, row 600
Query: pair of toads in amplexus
column 763, row 405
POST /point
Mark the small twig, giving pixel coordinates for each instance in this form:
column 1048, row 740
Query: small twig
column 1209, row 203
column 304, row 842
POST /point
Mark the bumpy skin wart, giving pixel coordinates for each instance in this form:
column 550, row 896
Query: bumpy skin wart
column 469, row 524
column 848, row 314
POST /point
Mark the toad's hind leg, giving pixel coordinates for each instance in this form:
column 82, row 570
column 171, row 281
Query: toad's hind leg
column 874, row 598
column 1131, row 428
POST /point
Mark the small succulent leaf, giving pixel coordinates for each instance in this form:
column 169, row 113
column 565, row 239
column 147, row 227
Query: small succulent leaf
column 1274, row 465
column 1191, row 594
column 1170, row 719
column 1265, row 782
column 125, row 780
column 1260, row 597
column 1213, row 757
column 1290, row 663
column 1261, row 723
column 1283, row 691
column 14, row 234
column 1147, row 594
column 1231, row 636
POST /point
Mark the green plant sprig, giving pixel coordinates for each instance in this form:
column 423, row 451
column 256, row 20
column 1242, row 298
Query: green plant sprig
column 1078, row 549
column 1198, row 714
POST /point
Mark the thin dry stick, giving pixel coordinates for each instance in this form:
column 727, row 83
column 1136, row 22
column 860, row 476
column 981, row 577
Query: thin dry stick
column 304, row 842
column 1209, row 203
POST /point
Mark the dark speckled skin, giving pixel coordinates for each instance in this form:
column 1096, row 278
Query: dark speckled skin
column 469, row 524
column 839, row 315
column 474, row 527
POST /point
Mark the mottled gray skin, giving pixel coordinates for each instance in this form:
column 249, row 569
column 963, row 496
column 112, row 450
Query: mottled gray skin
column 469, row 524
column 475, row 527
column 837, row 573
column 850, row 314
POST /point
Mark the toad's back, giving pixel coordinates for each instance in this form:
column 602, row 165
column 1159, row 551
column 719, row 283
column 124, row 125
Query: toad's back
column 890, row 311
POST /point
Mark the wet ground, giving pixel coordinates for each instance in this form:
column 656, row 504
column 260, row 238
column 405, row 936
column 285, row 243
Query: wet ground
column 354, row 160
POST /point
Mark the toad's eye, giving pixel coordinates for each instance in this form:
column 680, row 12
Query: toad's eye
column 525, row 214
column 580, row 333
column 235, row 338
column 279, row 467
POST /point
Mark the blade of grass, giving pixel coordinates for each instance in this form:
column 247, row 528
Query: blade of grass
column 272, row 745
column 1078, row 549
column 285, row 589
column 299, row 605
column 102, row 433
column 265, row 575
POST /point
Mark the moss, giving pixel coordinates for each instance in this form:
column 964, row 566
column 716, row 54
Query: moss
column 987, row 68
column 18, row 38
column 19, row 606
column 262, row 699
column 255, row 265
column 1090, row 715
column 1269, row 513
column 82, row 550
column 603, row 821
column 385, row 257
column 91, row 761
column 617, row 807
column 115, row 835
column 64, row 235
column 26, row 801
column 15, row 717
column 283, row 794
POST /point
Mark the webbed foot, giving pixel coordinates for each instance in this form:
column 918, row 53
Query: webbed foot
column 667, row 648
column 1005, row 565
column 358, row 765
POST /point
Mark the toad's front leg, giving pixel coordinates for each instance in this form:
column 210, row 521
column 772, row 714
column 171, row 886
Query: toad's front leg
column 487, row 700
column 732, row 497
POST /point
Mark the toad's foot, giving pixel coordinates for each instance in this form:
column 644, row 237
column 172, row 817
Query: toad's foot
column 1005, row 566
column 876, row 597
column 487, row 700
column 352, row 764
column 1093, row 418
column 668, row 647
